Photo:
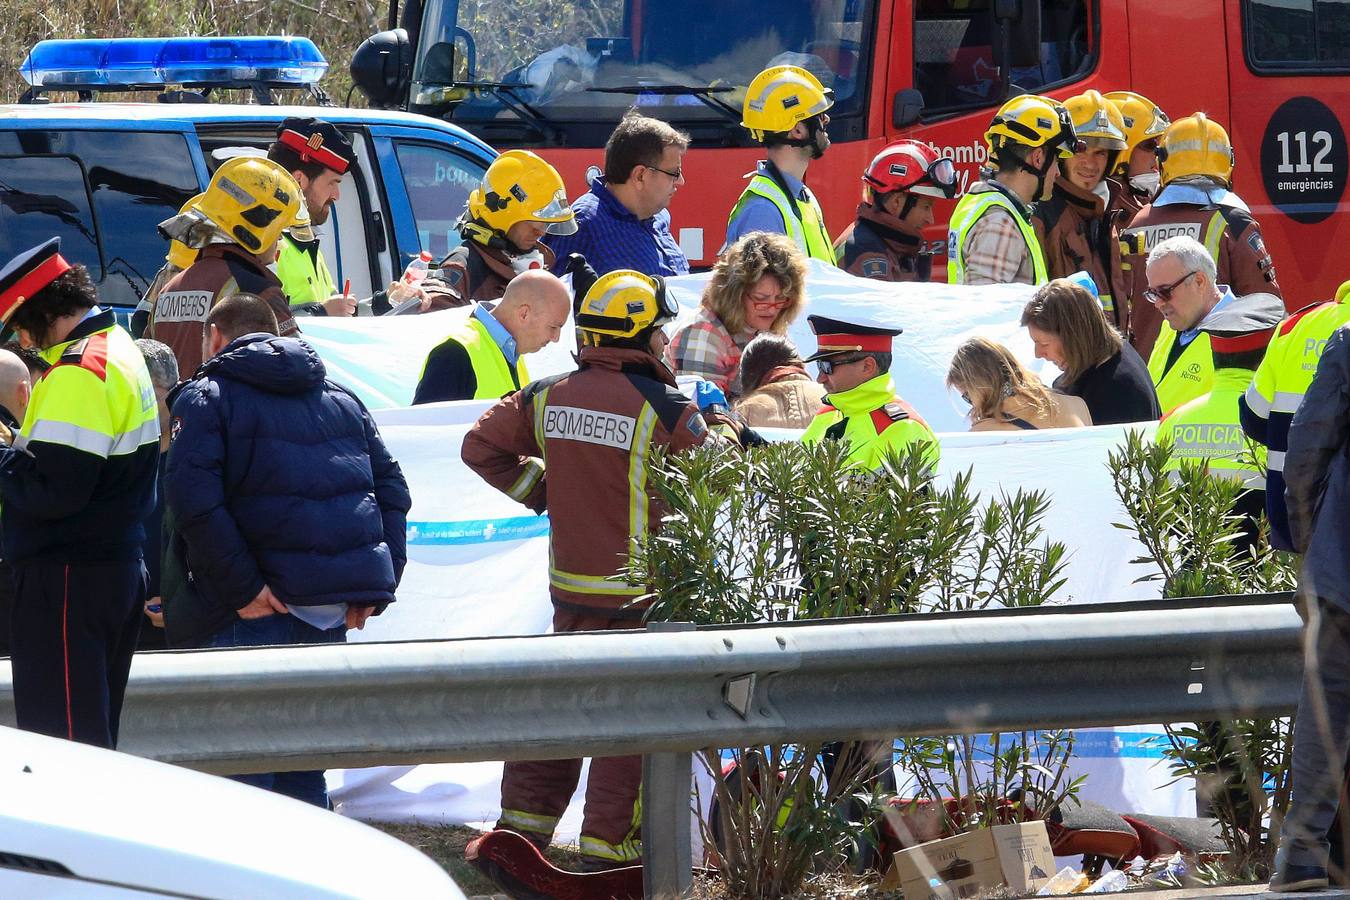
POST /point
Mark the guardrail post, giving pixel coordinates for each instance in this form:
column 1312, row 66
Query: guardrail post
column 667, row 863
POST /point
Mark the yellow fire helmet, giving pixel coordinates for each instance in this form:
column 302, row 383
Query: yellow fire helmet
column 1032, row 121
column 780, row 97
column 1196, row 145
column 1096, row 121
column 253, row 200
column 1144, row 121
column 1343, row 291
column 517, row 187
column 623, row 304
column 180, row 255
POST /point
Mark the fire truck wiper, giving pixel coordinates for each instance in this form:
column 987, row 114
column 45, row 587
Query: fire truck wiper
column 705, row 93
column 508, row 94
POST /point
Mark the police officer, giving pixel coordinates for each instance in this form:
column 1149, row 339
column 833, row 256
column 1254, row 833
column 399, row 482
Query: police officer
column 900, row 187
column 594, row 427
column 318, row 156
column 74, row 490
column 1076, row 227
column 1276, row 392
column 481, row 357
column 1196, row 201
column 1135, row 180
column 1206, row 429
column 990, row 239
column 861, row 405
column 785, row 109
column 522, row 198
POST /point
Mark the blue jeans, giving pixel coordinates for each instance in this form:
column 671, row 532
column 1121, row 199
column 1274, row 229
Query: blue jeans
column 308, row 787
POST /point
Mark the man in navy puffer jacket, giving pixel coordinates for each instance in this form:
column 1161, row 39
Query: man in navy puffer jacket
column 290, row 508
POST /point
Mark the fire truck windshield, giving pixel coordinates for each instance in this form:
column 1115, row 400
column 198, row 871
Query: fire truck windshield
column 503, row 68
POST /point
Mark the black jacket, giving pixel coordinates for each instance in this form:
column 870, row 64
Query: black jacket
column 1116, row 391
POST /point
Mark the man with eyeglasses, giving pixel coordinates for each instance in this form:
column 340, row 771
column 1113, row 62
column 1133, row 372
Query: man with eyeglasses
column 861, row 405
column 623, row 221
column 1182, row 287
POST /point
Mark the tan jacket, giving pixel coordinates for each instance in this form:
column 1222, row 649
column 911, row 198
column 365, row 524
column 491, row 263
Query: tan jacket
column 792, row 401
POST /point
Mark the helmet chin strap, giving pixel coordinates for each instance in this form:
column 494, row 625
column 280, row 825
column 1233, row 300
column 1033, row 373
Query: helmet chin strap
column 1041, row 172
column 811, row 141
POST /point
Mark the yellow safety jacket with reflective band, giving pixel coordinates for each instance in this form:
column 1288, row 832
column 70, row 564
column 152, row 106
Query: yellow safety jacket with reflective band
column 876, row 421
column 1189, row 376
column 495, row 376
column 809, row 232
column 1207, row 429
column 969, row 210
column 303, row 273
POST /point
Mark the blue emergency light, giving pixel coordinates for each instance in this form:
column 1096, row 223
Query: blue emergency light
column 125, row 62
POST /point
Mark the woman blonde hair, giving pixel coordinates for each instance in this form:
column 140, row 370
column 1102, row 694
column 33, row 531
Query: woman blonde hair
column 746, row 262
column 988, row 376
column 1070, row 312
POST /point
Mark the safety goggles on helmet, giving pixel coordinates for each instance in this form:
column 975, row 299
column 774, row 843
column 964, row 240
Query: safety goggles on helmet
column 941, row 175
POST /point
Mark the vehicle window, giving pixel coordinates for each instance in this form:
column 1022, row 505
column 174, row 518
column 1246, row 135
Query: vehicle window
column 1298, row 34
column 592, row 60
column 42, row 197
column 438, row 183
column 137, row 180
column 954, row 63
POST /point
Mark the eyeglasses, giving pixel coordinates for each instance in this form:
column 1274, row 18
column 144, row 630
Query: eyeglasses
column 769, row 301
column 1163, row 293
column 677, row 174
column 827, row 366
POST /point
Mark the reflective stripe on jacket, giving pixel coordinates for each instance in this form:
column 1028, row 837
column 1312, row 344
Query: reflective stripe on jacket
column 808, row 231
column 1207, row 430
column 969, row 210
column 304, row 274
column 874, row 421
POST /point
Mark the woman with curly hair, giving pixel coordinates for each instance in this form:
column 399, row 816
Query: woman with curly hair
column 759, row 285
column 1004, row 396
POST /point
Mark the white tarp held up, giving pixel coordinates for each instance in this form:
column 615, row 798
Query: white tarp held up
column 478, row 561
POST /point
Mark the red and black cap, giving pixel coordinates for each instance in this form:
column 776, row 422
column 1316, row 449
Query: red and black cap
column 28, row 273
column 1243, row 323
column 835, row 336
column 317, row 141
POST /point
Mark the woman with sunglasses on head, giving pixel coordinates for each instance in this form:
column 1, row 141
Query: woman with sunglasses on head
column 1067, row 327
column 759, row 285
column 900, row 187
column 1004, row 396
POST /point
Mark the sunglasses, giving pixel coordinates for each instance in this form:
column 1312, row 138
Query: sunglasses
column 1163, row 293
column 827, row 366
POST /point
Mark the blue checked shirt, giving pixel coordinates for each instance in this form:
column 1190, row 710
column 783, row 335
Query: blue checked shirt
column 611, row 237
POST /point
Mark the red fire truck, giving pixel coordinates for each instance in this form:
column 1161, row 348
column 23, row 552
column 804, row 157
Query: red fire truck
column 555, row 75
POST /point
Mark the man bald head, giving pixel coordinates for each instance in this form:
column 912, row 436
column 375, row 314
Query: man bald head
column 15, row 384
column 534, row 309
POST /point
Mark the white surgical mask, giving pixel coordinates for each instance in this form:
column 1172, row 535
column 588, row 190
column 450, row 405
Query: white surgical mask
column 1146, row 183
column 532, row 260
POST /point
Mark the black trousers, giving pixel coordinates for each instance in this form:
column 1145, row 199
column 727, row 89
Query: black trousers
column 73, row 630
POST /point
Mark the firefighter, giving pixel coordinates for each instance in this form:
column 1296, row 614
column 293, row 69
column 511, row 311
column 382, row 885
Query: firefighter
column 569, row 446
column 178, row 258
column 1206, row 429
column 785, row 109
column 861, row 405
column 900, row 187
column 1196, row 201
column 318, row 156
column 990, row 239
column 235, row 226
column 1135, row 179
column 522, row 198
column 75, row 488
column 1276, row 392
column 1077, row 228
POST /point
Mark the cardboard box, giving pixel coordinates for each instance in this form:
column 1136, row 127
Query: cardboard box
column 956, row 868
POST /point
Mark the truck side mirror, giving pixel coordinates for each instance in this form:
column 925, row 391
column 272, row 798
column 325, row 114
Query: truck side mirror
column 1021, row 21
column 382, row 68
column 907, row 108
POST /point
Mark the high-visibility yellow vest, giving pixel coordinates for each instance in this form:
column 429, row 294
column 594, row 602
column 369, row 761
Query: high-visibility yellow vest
column 1190, row 376
column 969, row 210
column 494, row 375
column 878, row 422
column 809, row 232
column 1207, row 429
column 304, row 276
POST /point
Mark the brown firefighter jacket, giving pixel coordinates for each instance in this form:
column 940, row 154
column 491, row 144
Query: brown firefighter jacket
column 576, row 446
column 878, row 245
column 473, row 272
column 1079, row 232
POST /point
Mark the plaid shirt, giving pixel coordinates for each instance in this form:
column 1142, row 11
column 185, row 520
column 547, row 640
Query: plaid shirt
column 611, row 237
column 995, row 250
column 705, row 348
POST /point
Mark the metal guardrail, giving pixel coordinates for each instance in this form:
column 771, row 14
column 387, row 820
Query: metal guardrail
column 667, row 693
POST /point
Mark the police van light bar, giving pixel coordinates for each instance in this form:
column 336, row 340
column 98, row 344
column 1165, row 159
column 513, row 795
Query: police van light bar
column 275, row 61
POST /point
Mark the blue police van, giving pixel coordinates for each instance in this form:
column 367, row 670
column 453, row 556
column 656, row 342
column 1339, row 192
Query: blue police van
column 102, row 174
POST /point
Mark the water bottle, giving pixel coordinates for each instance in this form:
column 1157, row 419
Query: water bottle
column 418, row 268
column 1065, row 880
column 1110, row 883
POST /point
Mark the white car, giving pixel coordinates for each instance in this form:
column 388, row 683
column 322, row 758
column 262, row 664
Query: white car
column 78, row 821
